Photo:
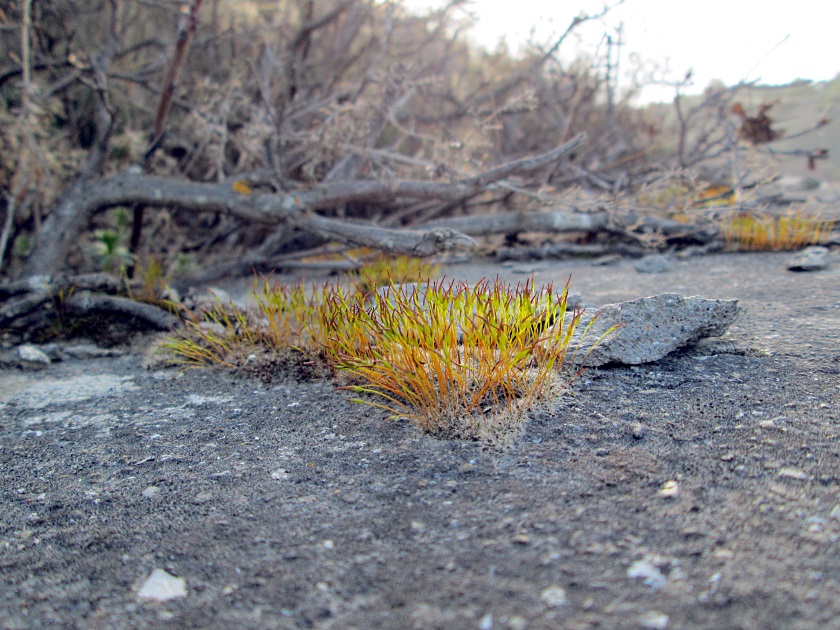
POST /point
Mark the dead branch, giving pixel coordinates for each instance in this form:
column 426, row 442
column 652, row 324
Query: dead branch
column 568, row 250
column 186, row 29
column 32, row 302
column 513, row 223
column 412, row 242
column 87, row 304
column 74, row 212
column 187, row 26
column 634, row 226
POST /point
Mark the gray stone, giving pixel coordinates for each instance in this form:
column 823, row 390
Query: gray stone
column 653, row 620
column 799, row 184
column 810, row 259
column 651, row 328
column 211, row 299
column 654, row 263
column 160, row 586
column 91, row 351
column 33, row 356
column 151, row 492
column 553, row 596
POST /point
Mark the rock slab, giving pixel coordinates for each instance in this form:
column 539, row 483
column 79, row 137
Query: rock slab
column 810, row 259
column 651, row 327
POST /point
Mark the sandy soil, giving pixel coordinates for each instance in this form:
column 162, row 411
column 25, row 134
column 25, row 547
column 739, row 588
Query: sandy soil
column 700, row 491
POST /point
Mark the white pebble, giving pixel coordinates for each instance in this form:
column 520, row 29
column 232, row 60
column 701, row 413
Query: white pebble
column 161, row 587
column 280, row 474
column 553, row 596
column 653, row 620
column 647, row 571
column 670, row 490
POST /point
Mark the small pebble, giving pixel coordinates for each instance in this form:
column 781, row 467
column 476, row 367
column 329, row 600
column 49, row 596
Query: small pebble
column 151, row 492
column 637, row 430
column 653, row 263
column 202, row 497
column 810, row 259
column 645, row 570
column 670, row 490
column 553, row 596
column 653, row 620
column 835, row 512
column 33, row 355
column 280, row 474
column 791, row 472
column 160, row 586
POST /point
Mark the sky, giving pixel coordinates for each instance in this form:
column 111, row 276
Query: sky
column 730, row 40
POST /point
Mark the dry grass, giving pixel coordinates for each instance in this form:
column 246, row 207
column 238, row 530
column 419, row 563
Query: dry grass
column 284, row 319
column 747, row 232
column 384, row 270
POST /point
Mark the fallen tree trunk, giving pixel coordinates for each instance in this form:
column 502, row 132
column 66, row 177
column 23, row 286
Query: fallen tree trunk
column 74, row 212
column 557, row 221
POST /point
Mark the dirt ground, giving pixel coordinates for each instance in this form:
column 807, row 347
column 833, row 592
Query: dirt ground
column 697, row 492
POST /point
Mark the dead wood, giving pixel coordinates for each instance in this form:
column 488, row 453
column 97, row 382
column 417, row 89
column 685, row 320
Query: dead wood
column 74, row 212
column 512, row 223
column 550, row 251
column 36, row 301
column 86, row 304
column 630, row 225
column 187, row 26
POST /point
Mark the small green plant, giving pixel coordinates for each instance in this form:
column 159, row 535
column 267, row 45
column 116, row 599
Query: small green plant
column 108, row 244
column 154, row 283
column 22, row 246
column 771, row 233
column 113, row 256
column 185, row 264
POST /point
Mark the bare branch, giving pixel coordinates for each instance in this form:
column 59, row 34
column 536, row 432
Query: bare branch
column 186, row 29
column 548, row 222
column 75, row 210
column 90, row 304
column 411, row 242
column 527, row 164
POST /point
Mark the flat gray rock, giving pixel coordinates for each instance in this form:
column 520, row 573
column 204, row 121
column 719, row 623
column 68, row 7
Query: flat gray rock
column 654, row 263
column 652, row 327
column 810, row 259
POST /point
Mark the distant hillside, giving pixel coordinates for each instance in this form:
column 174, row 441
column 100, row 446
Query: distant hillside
column 799, row 106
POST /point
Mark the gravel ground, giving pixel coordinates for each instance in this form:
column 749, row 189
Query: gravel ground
column 699, row 491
